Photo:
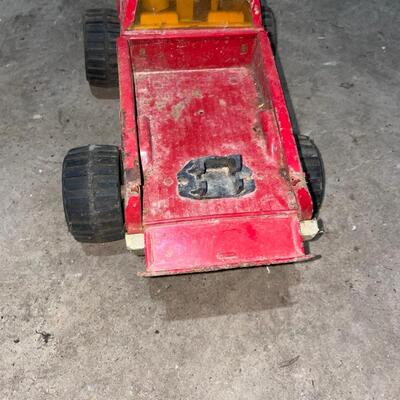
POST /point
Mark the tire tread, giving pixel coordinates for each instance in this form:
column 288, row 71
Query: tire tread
column 101, row 30
column 314, row 170
column 91, row 194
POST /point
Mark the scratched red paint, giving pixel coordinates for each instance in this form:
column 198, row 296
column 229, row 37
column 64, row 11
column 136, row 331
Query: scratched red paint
column 189, row 93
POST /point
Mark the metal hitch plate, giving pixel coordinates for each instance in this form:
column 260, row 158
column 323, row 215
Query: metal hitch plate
column 215, row 177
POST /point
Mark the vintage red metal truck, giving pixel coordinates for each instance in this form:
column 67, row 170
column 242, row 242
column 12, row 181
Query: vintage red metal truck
column 210, row 175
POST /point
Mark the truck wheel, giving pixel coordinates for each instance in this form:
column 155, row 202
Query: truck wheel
column 100, row 32
column 91, row 188
column 269, row 22
column 314, row 170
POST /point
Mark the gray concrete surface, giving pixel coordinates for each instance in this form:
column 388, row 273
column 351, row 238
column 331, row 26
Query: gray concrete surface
column 76, row 322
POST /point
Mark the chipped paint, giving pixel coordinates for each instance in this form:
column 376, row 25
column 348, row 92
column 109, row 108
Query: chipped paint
column 177, row 110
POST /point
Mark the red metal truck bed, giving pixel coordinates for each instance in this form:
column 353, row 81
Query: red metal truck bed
column 186, row 114
column 190, row 114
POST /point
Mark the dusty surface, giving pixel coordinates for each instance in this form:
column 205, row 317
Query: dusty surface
column 76, row 322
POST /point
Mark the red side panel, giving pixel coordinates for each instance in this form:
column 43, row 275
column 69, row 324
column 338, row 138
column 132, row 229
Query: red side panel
column 264, row 64
column 126, row 11
column 130, row 148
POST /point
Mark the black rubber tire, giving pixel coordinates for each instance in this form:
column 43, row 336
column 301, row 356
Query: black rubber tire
column 91, row 188
column 101, row 30
column 269, row 22
column 313, row 168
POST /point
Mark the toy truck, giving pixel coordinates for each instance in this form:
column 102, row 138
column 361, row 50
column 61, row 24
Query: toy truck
column 209, row 175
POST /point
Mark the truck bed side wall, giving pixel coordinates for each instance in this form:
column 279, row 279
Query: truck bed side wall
column 160, row 54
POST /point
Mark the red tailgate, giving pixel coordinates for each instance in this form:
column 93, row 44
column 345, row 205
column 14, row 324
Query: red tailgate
column 212, row 244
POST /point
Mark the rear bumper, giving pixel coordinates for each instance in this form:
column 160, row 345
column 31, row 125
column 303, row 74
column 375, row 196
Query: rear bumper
column 223, row 243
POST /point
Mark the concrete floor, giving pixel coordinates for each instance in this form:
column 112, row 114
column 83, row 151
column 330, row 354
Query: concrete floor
column 76, row 322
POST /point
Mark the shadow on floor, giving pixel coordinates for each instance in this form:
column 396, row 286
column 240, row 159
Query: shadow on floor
column 105, row 93
column 224, row 293
column 105, row 249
